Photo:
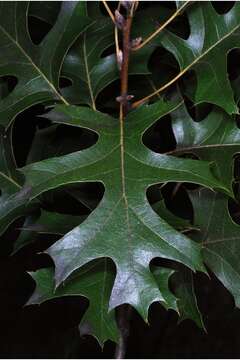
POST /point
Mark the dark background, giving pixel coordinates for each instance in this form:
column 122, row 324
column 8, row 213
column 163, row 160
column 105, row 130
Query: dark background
column 51, row 330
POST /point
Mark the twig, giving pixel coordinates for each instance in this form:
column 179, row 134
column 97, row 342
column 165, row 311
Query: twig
column 123, row 318
column 124, row 100
column 118, row 52
column 109, row 11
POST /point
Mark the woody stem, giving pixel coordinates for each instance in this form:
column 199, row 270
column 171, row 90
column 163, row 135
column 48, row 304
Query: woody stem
column 123, row 313
column 125, row 62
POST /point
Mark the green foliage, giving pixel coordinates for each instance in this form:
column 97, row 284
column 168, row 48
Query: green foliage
column 219, row 237
column 123, row 227
column 94, row 281
column 211, row 37
column 36, row 67
column 216, row 138
column 104, row 251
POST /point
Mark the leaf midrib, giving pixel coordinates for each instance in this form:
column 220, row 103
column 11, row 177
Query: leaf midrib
column 187, row 67
column 85, row 57
column 206, row 51
column 211, row 242
column 199, row 147
column 125, row 200
column 223, row 260
column 10, row 180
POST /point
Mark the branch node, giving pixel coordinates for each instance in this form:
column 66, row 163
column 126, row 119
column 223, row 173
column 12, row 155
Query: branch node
column 136, row 42
column 126, row 4
column 119, row 20
column 123, row 99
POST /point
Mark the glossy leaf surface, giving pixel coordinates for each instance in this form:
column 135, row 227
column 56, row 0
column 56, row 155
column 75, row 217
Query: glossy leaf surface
column 215, row 138
column 219, row 238
column 14, row 197
column 33, row 65
column 124, row 226
column 205, row 51
column 187, row 301
column 93, row 282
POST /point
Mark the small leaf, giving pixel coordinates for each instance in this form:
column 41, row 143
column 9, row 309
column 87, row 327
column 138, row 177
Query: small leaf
column 212, row 36
column 216, row 138
column 219, row 237
column 162, row 276
column 205, row 51
column 187, row 302
column 90, row 72
column 47, row 223
column 94, row 282
column 14, row 196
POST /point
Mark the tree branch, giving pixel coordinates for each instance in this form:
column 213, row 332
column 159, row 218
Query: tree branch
column 125, row 63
